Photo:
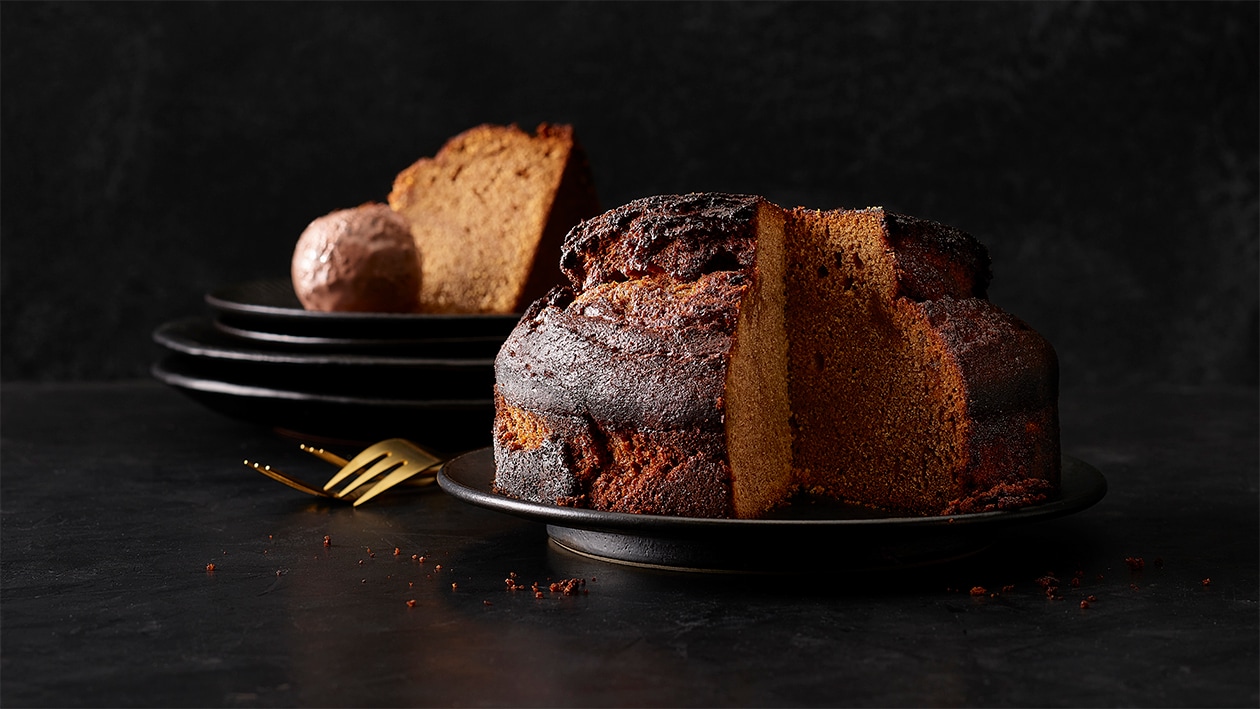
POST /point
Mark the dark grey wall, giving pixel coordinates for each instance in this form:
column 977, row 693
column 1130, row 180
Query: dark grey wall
column 1106, row 153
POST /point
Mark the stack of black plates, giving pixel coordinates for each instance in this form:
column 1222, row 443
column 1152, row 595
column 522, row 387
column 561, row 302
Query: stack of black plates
column 259, row 356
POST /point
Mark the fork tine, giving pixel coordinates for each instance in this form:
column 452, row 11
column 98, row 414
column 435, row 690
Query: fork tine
column 369, row 456
column 412, row 452
column 398, row 450
column 283, row 478
column 325, row 455
column 385, row 465
column 403, row 474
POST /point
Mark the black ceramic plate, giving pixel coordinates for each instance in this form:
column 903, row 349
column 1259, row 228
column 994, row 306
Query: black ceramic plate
column 312, row 409
column 269, row 311
column 834, row 536
column 198, row 336
column 356, row 375
column 438, row 347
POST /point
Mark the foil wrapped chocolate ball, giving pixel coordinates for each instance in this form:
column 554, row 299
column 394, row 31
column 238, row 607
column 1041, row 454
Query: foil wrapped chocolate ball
column 362, row 259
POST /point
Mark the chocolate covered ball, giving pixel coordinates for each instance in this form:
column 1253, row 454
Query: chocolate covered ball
column 358, row 260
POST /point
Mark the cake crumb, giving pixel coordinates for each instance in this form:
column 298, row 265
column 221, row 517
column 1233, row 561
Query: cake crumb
column 397, row 551
column 411, row 603
column 978, row 591
column 1085, row 603
column 568, row 587
column 210, row 568
column 1206, row 582
column 1136, row 563
column 327, row 540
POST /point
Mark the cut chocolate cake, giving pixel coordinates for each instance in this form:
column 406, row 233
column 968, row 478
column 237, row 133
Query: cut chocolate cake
column 716, row 354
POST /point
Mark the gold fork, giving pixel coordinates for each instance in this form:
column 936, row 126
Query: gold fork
column 397, row 459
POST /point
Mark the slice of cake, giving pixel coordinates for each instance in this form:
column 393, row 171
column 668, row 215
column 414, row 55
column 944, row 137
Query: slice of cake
column 489, row 212
column 716, row 353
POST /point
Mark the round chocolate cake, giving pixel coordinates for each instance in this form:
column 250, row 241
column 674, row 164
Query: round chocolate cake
column 716, row 354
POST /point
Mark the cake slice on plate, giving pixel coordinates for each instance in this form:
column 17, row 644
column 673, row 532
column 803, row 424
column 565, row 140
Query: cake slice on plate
column 488, row 213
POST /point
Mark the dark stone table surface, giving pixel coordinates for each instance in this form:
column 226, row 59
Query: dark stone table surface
column 116, row 497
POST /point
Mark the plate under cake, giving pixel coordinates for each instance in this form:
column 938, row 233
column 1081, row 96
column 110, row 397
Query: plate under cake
column 801, row 536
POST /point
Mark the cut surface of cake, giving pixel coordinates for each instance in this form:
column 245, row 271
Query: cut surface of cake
column 488, row 213
column 715, row 354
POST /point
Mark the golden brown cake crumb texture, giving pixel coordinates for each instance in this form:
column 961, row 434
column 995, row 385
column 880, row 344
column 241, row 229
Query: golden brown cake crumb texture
column 758, row 413
column 875, row 397
column 488, row 213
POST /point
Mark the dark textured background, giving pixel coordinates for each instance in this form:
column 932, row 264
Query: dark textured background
column 1107, row 154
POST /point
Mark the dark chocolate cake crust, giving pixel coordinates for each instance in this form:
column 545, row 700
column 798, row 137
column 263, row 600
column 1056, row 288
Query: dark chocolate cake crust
column 652, row 353
column 576, row 461
column 621, row 392
column 935, row 261
column 620, row 378
column 682, row 236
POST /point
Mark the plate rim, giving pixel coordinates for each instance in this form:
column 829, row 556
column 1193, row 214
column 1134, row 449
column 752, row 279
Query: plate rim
column 163, row 372
column 312, row 341
column 164, row 336
column 218, row 300
column 1093, row 483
